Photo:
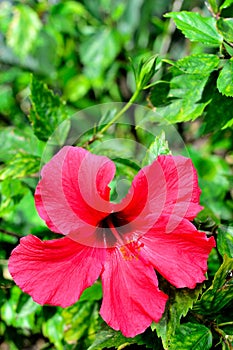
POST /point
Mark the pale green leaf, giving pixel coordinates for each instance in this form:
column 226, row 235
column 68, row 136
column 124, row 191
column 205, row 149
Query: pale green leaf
column 23, row 30
column 99, row 51
column 197, row 28
column 214, row 5
column 22, row 165
column 158, row 147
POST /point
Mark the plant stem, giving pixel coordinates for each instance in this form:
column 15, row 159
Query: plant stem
column 122, row 111
column 225, row 324
column 117, row 116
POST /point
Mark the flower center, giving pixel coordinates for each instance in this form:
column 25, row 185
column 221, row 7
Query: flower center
column 113, row 230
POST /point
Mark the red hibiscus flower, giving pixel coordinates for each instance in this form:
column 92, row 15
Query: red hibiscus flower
column 121, row 243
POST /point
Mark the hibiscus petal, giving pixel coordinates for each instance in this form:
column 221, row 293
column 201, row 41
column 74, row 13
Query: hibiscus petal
column 180, row 256
column 131, row 298
column 168, row 186
column 72, row 196
column 54, row 272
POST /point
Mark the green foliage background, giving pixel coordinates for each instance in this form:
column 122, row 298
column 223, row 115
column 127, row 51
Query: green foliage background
column 175, row 57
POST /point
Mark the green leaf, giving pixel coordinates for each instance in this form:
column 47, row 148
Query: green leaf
column 158, row 147
column 197, row 28
column 226, row 3
column 77, row 87
column 23, row 30
column 47, row 110
column 200, row 64
column 12, row 191
column 185, row 93
column 111, row 339
column 214, row 5
column 216, row 118
column 220, row 293
column 225, row 241
column 225, row 79
column 92, row 293
column 180, row 301
column 22, row 165
column 191, row 336
column 99, row 51
column 225, row 27
column 53, row 329
column 81, row 322
column 15, row 141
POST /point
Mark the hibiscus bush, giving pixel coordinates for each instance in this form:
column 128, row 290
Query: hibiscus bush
column 116, row 211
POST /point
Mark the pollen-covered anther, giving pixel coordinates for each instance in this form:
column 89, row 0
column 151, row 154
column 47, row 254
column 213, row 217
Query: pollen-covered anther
column 131, row 250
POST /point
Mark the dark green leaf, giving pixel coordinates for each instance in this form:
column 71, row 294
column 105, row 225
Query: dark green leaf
column 158, row 147
column 180, row 301
column 200, row 64
column 47, row 110
column 22, row 165
column 197, row 28
column 225, row 79
column 220, row 292
column 23, row 30
column 216, row 118
column 191, row 336
column 225, row 27
column 225, row 241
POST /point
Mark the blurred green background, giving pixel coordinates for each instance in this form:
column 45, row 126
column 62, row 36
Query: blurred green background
column 83, row 51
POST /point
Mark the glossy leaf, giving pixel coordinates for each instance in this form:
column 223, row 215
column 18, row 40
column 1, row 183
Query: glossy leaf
column 216, row 118
column 225, row 241
column 191, row 336
column 226, row 3
column 197, row 28
column 109, row 338
column 202, row 64
column 220, row 293
column 225, row 27
column 225, row 79
column 180, row 301
column 184, row 95
column 47, row 110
